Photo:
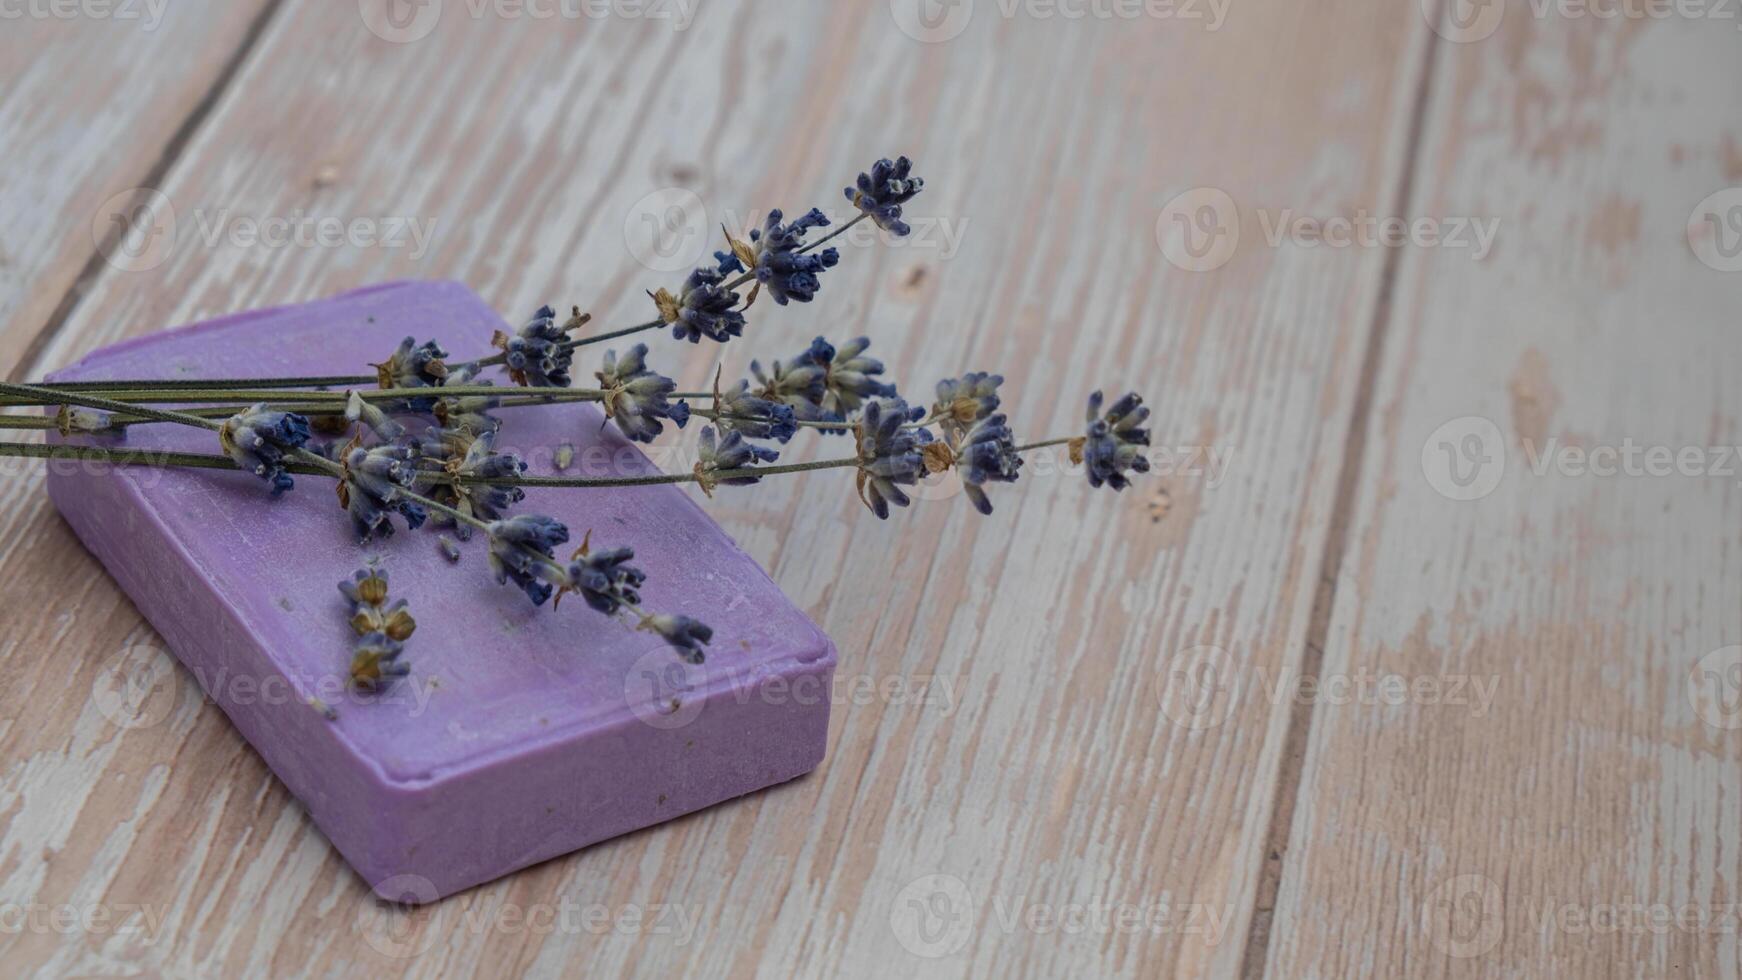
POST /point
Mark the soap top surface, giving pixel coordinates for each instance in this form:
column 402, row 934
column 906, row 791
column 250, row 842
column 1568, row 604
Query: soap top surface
column 490, row 673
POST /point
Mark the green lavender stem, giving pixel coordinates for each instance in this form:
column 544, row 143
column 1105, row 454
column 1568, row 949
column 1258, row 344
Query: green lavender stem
column 310, row 463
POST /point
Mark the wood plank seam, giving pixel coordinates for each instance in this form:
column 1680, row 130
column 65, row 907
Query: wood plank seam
column 172, row 151
column 1290, row 768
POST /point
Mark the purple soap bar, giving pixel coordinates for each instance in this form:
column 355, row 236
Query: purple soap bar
column 521, row 733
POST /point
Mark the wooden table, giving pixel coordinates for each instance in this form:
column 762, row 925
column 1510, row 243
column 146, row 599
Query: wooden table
column 1410, row 660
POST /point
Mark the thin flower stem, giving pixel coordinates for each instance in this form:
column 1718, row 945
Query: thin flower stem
column 51, row 397
column 245, row 397
column 312, row 463
column 656, row 479
column 170, row 384
column 347, row 380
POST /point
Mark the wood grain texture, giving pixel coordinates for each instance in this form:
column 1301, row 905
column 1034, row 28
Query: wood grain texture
column 91, row 98
column 1584, row 822
column 1042, row 747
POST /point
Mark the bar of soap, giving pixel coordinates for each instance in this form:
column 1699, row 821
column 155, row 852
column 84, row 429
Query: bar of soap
column 521, row 733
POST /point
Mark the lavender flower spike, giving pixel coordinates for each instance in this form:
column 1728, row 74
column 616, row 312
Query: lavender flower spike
column 414, row 365
column 1114, row 444
column 635, row 397
column 987, row 455
column 463, row 453
column 258, row 441
column 730, row 452
column 687, row 636
column 966, row 400
column 604, row 579
column 849, row 377
column 775, row 254
column 890, row 454
column 536, row 354
column 883, row 191
column 371, row 488
column 704, row 307
column 756, row 418
column 375, row 662
column 522, row 550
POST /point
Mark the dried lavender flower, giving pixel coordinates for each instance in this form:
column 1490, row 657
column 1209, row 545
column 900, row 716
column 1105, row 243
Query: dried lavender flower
column 358, row 409
column 825, row 383
column 370, row 613
column 756, row 418
column 382, row 629
column 890, row 454
column 258, row 441
column 374, row 477
column 73, row 420
column 881, row 193
column 968, row 399
column 604, row 579
column 635, row 397
column 457, row 453
column 848, row 376
column 469, row 412
column 687, row 636
column 1114, row 443
column 536, row 354
column 449, row 549
column 522, row 550
column 730, row 452
column 987, row 454
column 704, row 307
column 414, row 365
column 775, row 255
column 375, row 662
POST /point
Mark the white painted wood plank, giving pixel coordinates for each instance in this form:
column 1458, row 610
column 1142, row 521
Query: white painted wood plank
column 1562, row 825
column 1049, row 766
column 91, row 96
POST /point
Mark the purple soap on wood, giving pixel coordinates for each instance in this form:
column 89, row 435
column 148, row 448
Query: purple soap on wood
column 521, row 733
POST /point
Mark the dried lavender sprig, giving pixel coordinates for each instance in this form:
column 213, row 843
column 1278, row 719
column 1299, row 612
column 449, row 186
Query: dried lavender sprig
column 215, row 461
column 141, row 384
